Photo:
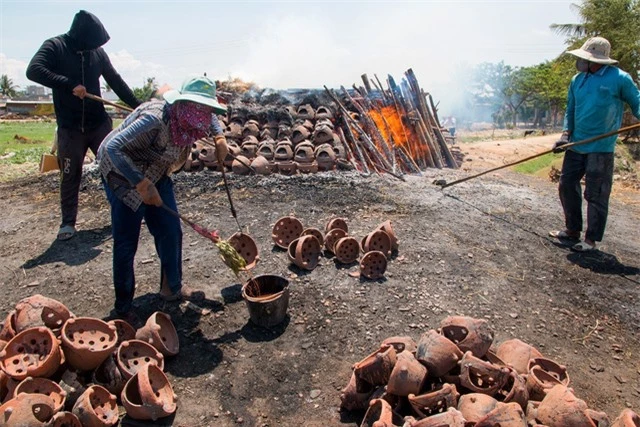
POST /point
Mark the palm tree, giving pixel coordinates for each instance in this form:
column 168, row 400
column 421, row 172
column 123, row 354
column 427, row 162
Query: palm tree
column 7, row 88
column 573, row 31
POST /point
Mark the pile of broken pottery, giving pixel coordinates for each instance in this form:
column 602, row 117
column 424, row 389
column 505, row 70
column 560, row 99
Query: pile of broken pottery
column 457, row 377
column 304, row 245
column 61, row 370
column 286, row 141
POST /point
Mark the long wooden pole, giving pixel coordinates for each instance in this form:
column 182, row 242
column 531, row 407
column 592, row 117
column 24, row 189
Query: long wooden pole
column 104, row 101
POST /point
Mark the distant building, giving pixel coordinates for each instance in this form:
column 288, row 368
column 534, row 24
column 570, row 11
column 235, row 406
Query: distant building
column 38, row 108
column 34, row 91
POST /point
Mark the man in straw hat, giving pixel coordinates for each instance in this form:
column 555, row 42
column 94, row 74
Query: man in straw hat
column 595, row 104
column 136, row 159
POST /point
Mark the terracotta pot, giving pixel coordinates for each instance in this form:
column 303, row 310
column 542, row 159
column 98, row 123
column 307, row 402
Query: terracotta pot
column 313, row 232
column 475, row 406
column 266, row 149
column 261, row 165
column 160, row 333
column 96, row 407
column 299, row 133
column 148, row 395
column 376, row 368
column 124, row 330
column 133, row 355
column 479, row 376
column 599, row 418
column 307, row 167
column 514, row 390
column 109, row 376
column 303, row 154
column 341, row 154
column 234, row 151
column 8, row 329
column 287, row 167
column 334, row 223
column 388, row 228
column 401, row 344
column 322, row 134
column 627, row 418
column 437, row 353
column 305, row 252
column 64, row 419
column 3, row 344
column 347, row 250
column 326, row 157
column 545, row 374
column 87, row 342
column 285, row 231
column 251, row 128
column 305, row 112
column 283, row 152
column 469, row 334
column 239, row 166
column 4, row 389
column 246, row 247
column 27, row 410
column 377, row 240
column 517, row 354
column 504, row 415
column 33, row 352
column 38, row 310
column 379, row 414
column 249, row 149
column 451, row 418
column 353, row 400
column 560, row 407
column 332, row 237
column 323, row 112
column 434, row 402
column 408, row 375
column 373, row 265
column 44, row 386
column 532, row 411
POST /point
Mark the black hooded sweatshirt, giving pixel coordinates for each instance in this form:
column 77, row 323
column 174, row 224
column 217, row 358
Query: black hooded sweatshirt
column 76, row 58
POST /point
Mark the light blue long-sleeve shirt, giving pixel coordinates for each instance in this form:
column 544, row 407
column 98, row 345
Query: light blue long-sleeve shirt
column 595, row 104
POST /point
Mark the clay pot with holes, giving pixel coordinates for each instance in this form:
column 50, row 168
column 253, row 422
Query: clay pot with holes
column 504, row 415
column 96, row 407
column 303, row 154
column 351, row 399
column 234, row 151
column 148, row 395
column 627, row 418
column 8, row 329
column 249, row 149
column 313, row 232
column 283, row 153
column 544, row 374
column 87, row 341
column 134, row 354
column 44, row 386
column 251, row 128
column 407, row 376
column 307, row 168
column 64, row 419
column 377, row 240
column 233, row 131
column 240, row 165
column 124, row 330
column 514, row 390
column 287, row 167
column 480, row 376
column 305, row 112
column 388, row 228
column 38, row 310
column 379, row 414
column 322, row 134
column 262, row 166
column 560, row 407
column 27, row 410
column 332, row 237
column 516, row 353
column 285, row 231
column 266, row 149
column 323, row 112
column 451, row 418
column 246, row 248
column 34, row 352
column 326, row 157
column 469, row 334
column 341, row 155
column 475, row 406
column 160, row 333
column 340, row 223
column 109, row 376
column 305, row 252
column 347, row 250
column 373, row 265
column 299, row 133
column 400, row 344
column 284, row 130
column 435, row 401
column 376, row 368
column 437, row 353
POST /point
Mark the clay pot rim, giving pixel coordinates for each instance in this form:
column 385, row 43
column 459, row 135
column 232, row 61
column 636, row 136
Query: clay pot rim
column 126, row 372
column 110, row 331
column 295, row 222
column 298, row 242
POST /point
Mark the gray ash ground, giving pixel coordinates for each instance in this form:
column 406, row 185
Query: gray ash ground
column 478, row 249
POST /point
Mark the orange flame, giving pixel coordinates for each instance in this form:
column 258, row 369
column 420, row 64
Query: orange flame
column 390, row 124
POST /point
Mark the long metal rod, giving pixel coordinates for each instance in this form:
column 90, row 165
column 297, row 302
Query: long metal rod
column 573, row 144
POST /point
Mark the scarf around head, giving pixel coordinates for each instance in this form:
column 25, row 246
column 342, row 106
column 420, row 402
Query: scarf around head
column 189, row 122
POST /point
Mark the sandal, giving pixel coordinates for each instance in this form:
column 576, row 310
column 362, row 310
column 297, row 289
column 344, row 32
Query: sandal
column 583, row 247
column 564, row 235
column 66, row 232
column 185, row 293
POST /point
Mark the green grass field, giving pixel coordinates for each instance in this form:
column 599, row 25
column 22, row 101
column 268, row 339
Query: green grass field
column 543, row 163
column 22, row 142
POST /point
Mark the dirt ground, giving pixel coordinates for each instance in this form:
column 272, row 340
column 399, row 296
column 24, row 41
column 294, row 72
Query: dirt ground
column 478, row 249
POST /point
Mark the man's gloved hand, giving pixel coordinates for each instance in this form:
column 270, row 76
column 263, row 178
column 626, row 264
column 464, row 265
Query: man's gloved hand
column 149, row 193
column 221, row 148
column 558, row 147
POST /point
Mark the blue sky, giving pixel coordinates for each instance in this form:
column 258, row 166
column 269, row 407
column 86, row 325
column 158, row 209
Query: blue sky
column 295, row 43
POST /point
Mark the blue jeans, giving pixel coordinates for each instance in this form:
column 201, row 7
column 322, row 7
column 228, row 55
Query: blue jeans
column 167, row 235
column 597, row 169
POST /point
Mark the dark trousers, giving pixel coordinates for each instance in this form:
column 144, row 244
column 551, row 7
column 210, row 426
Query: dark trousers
column 72, row 148
column 167, row 235
column 597, row 169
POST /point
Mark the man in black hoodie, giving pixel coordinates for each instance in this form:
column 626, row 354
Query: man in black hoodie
column 71, row 64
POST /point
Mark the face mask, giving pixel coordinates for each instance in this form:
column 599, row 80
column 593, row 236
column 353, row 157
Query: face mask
column 582, row 65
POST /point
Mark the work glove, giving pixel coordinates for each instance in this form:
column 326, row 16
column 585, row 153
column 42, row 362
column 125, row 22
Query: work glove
column 558, row 147
column 221, row 148
column 149, row 193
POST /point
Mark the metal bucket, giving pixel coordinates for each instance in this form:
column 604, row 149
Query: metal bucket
column 267, row 298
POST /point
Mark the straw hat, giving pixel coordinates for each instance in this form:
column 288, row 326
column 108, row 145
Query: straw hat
column 596, row 49
column 197, row 89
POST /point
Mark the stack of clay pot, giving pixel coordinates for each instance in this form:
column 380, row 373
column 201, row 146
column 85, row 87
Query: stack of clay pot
column 61, row 370
column 304, row 245
column 456, row 377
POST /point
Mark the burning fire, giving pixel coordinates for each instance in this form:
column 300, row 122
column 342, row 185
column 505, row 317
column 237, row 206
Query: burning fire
column 392, row 128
